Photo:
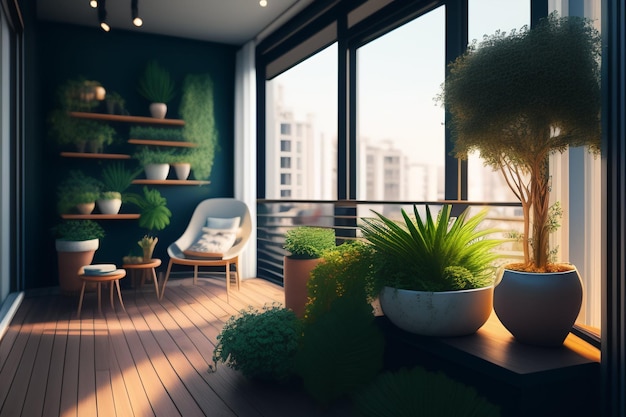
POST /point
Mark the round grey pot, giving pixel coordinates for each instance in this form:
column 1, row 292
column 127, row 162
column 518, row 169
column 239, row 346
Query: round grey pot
column 538, row 308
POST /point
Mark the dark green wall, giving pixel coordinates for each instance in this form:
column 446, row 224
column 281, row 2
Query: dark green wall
column 58, row 52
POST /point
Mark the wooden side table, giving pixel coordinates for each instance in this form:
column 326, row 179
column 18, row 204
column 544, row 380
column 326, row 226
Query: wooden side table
column 112, row 278
column 145, row 268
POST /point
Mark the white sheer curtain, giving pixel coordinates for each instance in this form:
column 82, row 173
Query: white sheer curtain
column 245, row 147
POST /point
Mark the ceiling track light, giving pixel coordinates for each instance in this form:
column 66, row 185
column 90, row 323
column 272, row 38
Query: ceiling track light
column 102, row 15
column 137, row 21
column 94, row 4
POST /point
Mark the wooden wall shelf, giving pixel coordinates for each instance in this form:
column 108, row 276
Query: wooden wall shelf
column 162, row 143
column 127, row 119
column 171, row 182
column 94, row 155
column 131, row 216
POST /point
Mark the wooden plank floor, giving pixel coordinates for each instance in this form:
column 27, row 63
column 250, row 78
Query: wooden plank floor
column 151, row 360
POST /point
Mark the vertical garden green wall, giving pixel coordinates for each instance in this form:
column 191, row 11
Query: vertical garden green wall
column 58, row 52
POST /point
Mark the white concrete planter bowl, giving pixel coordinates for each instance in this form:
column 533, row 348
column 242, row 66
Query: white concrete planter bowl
column 109, row 206
column 157, row 171
column 442, row 314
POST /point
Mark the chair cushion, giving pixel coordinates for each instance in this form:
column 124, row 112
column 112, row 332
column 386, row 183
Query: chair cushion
column 212, row 243
column 223, row 223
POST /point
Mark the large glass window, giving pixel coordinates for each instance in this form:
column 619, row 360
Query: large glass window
column 485, row 17
column 399, row 125
column 301, row 119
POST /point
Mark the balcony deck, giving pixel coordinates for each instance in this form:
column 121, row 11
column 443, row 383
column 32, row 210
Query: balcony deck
column 152, row 360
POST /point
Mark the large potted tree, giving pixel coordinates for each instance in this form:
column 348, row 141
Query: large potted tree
column 435, row 275
column 517, row 99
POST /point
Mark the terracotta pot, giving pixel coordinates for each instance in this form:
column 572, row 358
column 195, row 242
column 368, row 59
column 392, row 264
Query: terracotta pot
column 72, row 256
column 296, row 273
column 86, row 208
column 182, row 170
column 539, row 308
column 442, row 314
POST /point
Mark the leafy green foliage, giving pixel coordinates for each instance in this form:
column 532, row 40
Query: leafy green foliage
column 154, row 214
column 197, row 109
column 116, row 177
column 156, row 84
column 77, row 230
column 416, row 392
column 345, row 271
column 77, row 188
column 153, row 155
column 110, row 195
column 342, row 350
column 260, row 344
column 520, row 97
column 439, row 254
column 306, row 242
column 156, row 133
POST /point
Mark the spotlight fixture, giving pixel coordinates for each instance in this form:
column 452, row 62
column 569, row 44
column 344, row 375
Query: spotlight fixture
column 102, row 15
column 263, row 3
column 94, row 4
column 135, row 13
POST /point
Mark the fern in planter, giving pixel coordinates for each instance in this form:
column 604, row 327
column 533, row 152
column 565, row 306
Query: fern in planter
column 260, row 343
column 78, row 230
column 156, row 84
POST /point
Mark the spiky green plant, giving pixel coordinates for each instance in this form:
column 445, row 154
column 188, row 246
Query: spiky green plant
column 416, row 392
column 116, row 177
column 441, row 254
column 156, row 84
column 521, row 97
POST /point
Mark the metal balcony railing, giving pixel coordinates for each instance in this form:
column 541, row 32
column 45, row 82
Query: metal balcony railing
column 275, row 217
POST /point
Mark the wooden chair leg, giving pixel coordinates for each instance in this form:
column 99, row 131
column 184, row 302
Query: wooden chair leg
column 167, row 276
column 238, row 279
column 80, row 300
column 119, row 293
column 228, row 282
column 156, row 282
column 195, row 275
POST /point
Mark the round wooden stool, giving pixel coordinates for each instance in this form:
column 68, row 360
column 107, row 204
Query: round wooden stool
column 145, row 268
column 111, row 278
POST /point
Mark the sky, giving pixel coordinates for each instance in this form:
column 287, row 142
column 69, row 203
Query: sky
column 396, row 89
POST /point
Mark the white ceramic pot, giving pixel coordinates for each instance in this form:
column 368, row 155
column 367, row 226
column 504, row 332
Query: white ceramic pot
column 158, row 110
column 157, row 171
column 538, row 308
column 443, row 314
column 182, row 170
column 109, row 206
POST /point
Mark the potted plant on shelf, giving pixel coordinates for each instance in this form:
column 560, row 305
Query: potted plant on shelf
column 155, row 161
column 518, row 99
column 180, row 163
column 154, row 216
column 157, row 86
column 116, row 179
column 305, row 245
column 116, row 104
column 76, row 243
column 77, row 193
column 435, row 276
